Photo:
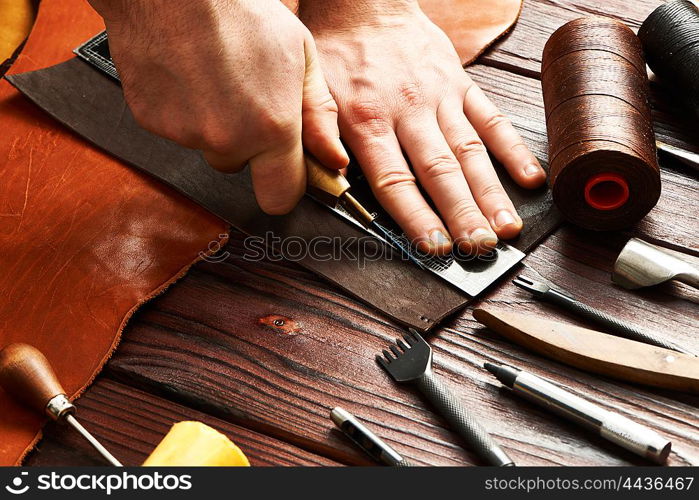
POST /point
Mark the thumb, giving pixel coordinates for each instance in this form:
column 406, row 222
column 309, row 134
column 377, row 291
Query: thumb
column 321, row 134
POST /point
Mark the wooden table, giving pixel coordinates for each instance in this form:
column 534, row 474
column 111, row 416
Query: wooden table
column 264, row 350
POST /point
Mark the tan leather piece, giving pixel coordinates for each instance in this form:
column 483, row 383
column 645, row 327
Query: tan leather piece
column 472, row 25
column 84, row 240
column 16, row 19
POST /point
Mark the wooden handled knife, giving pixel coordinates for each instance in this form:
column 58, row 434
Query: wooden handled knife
column 596, row 352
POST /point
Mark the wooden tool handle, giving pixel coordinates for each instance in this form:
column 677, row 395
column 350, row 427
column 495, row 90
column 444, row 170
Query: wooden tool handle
column 325, row 183
column 26, row 374
column 596, row 352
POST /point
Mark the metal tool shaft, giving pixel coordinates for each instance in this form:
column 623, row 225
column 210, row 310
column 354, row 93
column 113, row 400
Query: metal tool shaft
column 564, row 300
column 624, row 329
column 91, row 439
column 462, row 421
column 611, row 426
column 373, row 445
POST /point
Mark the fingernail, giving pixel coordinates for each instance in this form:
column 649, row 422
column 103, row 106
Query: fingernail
column 483, row 236
column 438, row 238
column 532, row 169
column 504, row 218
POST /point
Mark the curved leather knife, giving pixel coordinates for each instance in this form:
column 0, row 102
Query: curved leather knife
column 596, row 352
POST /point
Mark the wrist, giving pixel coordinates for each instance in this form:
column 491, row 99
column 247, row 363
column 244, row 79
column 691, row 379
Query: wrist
column 156, row 13
column 317, row 14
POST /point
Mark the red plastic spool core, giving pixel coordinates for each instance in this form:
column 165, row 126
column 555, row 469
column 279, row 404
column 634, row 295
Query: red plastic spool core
column 606, row 191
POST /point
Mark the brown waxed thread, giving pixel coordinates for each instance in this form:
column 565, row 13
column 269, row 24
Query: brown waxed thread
column 670, row 38
column 604, row 172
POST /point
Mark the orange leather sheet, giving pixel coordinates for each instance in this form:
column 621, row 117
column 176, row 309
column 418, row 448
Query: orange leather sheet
column 473, row 25
column 84, row 240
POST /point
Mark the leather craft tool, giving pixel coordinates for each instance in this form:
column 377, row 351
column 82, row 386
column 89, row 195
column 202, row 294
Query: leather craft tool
column 411, row 361
column 641, row 264
column 563, row 299
column 369, row 442
column 612, row 426
column 670, row 38
column 604, row 172
column 26, row 374
column 596, row 352
column 332, row 188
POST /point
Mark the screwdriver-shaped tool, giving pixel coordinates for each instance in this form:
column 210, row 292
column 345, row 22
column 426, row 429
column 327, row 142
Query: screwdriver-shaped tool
column 27, row 375
column 372, row 444
column 331, row 187
column 564, row 300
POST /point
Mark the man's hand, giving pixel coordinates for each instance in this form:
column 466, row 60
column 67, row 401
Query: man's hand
column 239, row 80
column 401, row 90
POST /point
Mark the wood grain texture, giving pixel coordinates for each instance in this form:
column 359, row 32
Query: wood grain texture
column 130, row 423
column 203, row 344
column 520, row 51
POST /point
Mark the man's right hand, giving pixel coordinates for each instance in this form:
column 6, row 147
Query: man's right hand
column 239, row 80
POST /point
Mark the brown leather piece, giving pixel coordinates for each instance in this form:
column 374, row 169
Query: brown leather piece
column 472, row 25
column 84, row 240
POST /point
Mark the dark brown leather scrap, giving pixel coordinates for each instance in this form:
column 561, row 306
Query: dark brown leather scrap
column 398, row 288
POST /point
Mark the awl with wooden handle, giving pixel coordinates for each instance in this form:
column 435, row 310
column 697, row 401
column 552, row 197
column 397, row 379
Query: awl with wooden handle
column 27, row 375
column 332, row 188
column 596, row 352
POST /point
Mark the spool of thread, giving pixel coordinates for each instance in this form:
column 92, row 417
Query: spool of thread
column 670, row 39
column 604, row 171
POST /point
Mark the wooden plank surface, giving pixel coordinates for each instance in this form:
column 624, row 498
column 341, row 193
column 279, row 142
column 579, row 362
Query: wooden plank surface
column 208, row 343
column 130, row 423
column 263, row 350
column 520, row 51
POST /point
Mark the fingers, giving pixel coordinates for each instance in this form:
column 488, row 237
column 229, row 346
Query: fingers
column 394, row 186
column 478, row 170
column 501, row 138
column 440, row 174
column 321, row 134
column 279, row 176
column 225, row 162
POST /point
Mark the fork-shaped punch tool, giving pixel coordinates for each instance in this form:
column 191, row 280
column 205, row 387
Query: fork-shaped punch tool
column 411, row 361
column 564, row 300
